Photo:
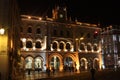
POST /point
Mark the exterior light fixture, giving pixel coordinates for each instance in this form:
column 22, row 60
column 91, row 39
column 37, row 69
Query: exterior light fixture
column 29, row 17
column 2, row 31
column 40, row 18
column 81, row 38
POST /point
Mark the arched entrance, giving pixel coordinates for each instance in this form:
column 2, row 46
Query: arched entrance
column 55, row 62
column 69, row 64
column 28, row 62
column 38, row 64
column 68, row 61
column 83, row 64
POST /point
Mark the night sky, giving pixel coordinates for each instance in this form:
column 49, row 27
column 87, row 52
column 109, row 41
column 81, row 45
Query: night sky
column 103, row 12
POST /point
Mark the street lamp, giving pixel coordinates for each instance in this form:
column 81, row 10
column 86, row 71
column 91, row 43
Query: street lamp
column 2, row 31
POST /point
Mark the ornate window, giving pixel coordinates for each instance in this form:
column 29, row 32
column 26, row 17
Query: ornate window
column 95, row 48
column 54, row 45
column 82, row 47
column 61, row 46
column 38, row 44
column 29, row 44
column 54, row 32
column 89, row 47
column 29, row 30
column 68, row 46
column 38, row 31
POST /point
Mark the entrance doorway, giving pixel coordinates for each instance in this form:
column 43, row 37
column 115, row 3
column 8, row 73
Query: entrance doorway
column 55, row 62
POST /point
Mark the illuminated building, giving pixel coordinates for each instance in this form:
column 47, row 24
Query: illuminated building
column 110, row 42
column 59, row 42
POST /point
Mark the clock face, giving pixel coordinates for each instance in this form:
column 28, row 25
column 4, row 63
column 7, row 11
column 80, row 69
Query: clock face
column 61, row 15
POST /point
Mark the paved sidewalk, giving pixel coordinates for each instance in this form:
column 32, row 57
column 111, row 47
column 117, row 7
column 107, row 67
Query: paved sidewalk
column 41, row 75
column 99, row 75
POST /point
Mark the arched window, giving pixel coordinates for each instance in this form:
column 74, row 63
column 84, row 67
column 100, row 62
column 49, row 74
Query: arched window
column 82, row 34
column 68, row 34
column 54, row 32
column 82, row 47
column 28, row 62
column 38, row 44
column 29, row 30
column 68, row 46
column 38, row 31
column 88, row 35
column 54, row 45
column 21, row 44
column 61, row 46
column 29, row 44
column 95, row 48
column 21, row 29
column 38, row 63
column 61, row 33
column 89, row 47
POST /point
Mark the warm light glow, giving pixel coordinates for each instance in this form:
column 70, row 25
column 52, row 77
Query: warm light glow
column 81, row 38
column 24, row 48
column 72, row 49
column 76, row 39
column 65, row 50
column 29, row 17
column 2, row 31
column 24, row 40
column 58, row 50
column 27, row 49
column 34, row 48
column 44, row 45
column 77, row 65
column 40, row 18
column 11, row 44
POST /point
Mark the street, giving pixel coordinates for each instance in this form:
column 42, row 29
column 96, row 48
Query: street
column 99, row 75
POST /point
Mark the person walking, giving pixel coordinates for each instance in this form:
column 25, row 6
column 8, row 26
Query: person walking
column 92, row 73
column 48, row 71
column 53, row 70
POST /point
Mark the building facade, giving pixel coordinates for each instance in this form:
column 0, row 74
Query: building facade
column 58, row 42
column 110, row 41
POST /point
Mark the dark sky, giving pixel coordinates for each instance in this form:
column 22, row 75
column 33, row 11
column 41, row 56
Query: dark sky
column 105, row 12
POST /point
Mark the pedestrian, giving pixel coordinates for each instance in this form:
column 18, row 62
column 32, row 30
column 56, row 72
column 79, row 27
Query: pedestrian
column 48, row 71
column 38, row 68
column 28, row 71
column 92, row 73
column 53, row 70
